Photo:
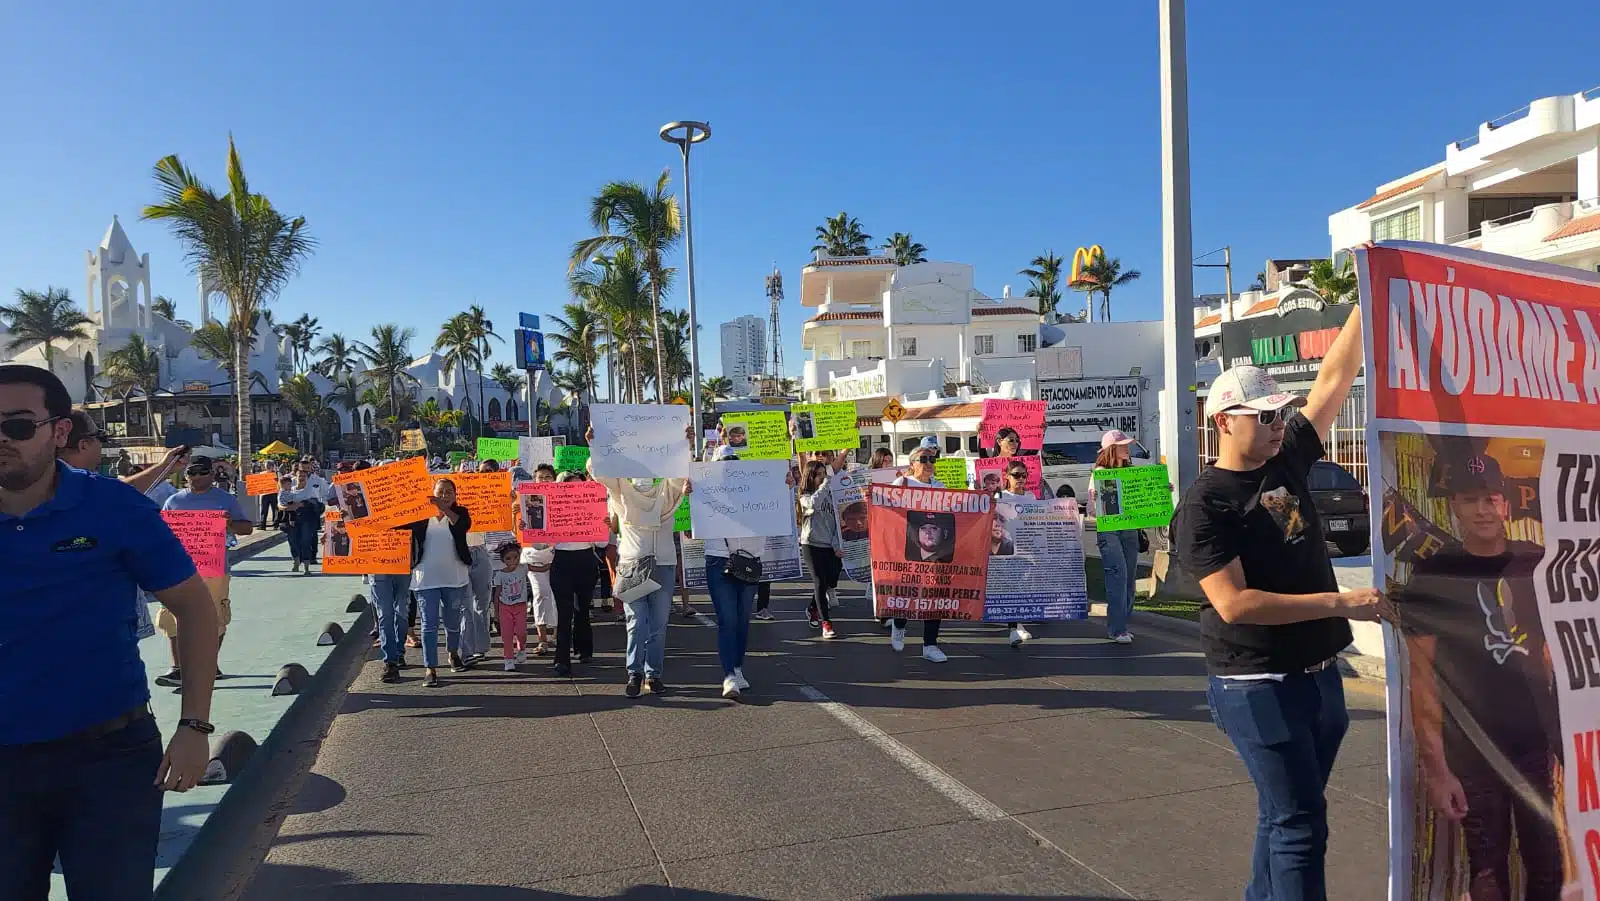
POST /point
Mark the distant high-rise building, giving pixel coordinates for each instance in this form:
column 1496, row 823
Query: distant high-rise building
column 744, row 352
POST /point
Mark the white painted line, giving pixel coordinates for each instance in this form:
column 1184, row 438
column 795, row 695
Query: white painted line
column 942, row 782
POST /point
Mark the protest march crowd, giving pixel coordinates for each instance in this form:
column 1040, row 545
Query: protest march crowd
column 526, row 537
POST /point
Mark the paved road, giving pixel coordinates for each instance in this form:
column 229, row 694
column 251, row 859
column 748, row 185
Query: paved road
column 1074, row 769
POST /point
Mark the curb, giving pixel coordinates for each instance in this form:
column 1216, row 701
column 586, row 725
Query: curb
column 255, row 547
column 1352, row 664
column 222, row 860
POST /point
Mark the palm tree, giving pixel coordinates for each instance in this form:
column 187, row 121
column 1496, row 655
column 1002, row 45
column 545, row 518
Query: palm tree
column 300, row 341
column 577, row 337
column 511, row 381
column 338, row 356
column 388, row 359
column 1260, row 284
column 1103, row 274
column 137, row 365
column 238, row 242
column 216, row 341
column 788, row 387
column 44, row 318
column 616, row 289
column 1333, row 285
column 841, row 236
column 163, row 306
column 645, row 220
column 715, row 388
column 458, row 343
column 679, row 367
column 483, row 330
column 302, row 397
column 904, row 250
column 346, row 392
column 1044, row 281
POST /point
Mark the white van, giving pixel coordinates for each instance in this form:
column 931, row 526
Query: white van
column 1068, row 458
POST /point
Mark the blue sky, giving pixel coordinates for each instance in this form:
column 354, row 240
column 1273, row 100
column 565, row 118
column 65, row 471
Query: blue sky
column 445, row 155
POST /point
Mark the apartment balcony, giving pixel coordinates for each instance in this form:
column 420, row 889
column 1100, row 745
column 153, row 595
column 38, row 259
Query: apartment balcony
column 1540, row 122
column 863, row 380
column 1530, row 234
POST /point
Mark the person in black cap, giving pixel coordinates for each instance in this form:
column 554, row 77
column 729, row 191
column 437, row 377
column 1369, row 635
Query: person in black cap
column 1483, row 702
column 930, row 537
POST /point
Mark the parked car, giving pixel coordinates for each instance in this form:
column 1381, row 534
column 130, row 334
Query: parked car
column 1066, row 465
column 1342, row 505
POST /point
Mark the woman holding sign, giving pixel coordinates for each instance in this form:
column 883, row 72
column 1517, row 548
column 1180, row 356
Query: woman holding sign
column 822, row 542
column 920, row 475
column 1119, row 551
column 441, row 576
column 733, row 570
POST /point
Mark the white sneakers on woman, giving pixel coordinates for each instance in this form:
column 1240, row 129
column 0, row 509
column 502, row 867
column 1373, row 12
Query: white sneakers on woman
column 739, row 679
column 897, row 638
column 932, row 654
column 732, row 685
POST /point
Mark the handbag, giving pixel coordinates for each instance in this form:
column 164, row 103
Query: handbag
column 1144, row 542
column 743, row 566
column 634, row 579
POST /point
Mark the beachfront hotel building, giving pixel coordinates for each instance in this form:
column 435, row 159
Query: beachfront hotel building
column 744, row 352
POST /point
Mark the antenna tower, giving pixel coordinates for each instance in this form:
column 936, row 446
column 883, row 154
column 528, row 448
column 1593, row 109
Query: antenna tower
column 775, row 299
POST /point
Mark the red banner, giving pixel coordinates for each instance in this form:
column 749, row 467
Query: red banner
column 930, row 552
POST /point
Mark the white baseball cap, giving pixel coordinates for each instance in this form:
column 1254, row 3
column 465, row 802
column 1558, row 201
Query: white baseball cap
column 1248, row 387
column 1115, row 436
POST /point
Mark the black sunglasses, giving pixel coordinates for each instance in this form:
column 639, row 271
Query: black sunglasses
column 23, row 429
column 1265, row 417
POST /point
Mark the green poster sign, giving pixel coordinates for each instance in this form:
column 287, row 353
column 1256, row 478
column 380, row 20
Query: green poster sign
column 826, row 427
column 1131, row 497
column 680, row 516
column 498, row 449
column 952, row 471
column 455, row 458
column 760, row 435
column 571, row 459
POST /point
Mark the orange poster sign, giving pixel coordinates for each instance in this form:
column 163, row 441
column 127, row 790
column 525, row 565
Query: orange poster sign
column 487, row 497
column 364, row 551
column 259, row 483
column 930, row 552
column 385, row 496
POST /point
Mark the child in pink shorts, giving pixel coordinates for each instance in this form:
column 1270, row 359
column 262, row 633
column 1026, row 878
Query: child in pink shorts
column 509, row 588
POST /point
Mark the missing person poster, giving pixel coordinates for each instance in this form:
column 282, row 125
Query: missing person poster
column 758, row 435
column 952, row 472
column 363, row 552
column 1131, row 497
column 780, row 558
column 1019, row 419
column 385, row 496
column 741, row 499
column 204, row 534
column 1483, row 407
column 826, row 427
column 930, row 551
column 1036, row 563
column 487, row 497
column 552, row 512
column 989, row 474
column 849, row 488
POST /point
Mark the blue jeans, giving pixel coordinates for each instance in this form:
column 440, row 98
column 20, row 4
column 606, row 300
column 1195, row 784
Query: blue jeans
column 475, row 605
column 1119, row 560
column 1288, row 734
column 437, row 603
column 93, row 802
column 391, row 597
column 733, row 602
column 647, row 625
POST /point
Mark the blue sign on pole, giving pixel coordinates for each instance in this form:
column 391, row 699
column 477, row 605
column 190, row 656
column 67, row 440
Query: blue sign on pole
column 528, row 321
column 530, row 349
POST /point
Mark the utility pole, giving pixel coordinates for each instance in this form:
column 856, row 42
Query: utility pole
column 1227, row 280
column 1178, row 439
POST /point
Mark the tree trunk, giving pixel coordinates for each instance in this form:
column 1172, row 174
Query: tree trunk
column 150, row 414
column 655, row 325
column 241, row 385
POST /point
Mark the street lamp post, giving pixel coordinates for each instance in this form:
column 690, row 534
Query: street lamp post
column 1178, row 440
column 686, row 135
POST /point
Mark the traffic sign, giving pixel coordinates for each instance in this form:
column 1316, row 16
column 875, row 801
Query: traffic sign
column 894, row 411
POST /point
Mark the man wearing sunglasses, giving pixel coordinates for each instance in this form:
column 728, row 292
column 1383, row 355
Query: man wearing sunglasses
column 203, row 493
column 1275, row 620
column 81, row 764
column 86, row 446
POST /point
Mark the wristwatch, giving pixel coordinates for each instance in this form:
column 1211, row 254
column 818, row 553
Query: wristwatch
column 200, row 726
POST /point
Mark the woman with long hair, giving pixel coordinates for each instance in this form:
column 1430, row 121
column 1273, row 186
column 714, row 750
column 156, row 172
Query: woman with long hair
column 1119, row 551
column 920, row 475
column 728, row 561
column 821, row 541
column 1008, row 445
column 574, row 571
column 441, row 576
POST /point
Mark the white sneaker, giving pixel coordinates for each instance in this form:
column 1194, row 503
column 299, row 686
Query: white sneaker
column 730, row 688
column 897, row 638
column 511, row 666
column 932, row 654
column 1123, row 638
column 739, row 679
column 1023, row 633
column 522, row 658
column 1017, row 638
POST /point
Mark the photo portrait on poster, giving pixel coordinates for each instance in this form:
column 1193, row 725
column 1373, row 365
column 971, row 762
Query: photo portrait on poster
column 849, row 489
column 1483, row 403
column 385, row 496
column 1036, row 570
column 335, row 538
column 989, row 473
column 930, row 551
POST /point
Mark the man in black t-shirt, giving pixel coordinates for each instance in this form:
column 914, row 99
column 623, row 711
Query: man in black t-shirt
column 1483, row 704
column 1274, row 619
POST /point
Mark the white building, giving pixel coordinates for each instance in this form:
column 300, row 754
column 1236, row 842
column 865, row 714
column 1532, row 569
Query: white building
column 744, row 351
column 1526, row 184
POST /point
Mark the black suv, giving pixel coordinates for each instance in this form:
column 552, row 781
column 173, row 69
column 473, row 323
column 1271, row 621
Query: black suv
column 1343, row 506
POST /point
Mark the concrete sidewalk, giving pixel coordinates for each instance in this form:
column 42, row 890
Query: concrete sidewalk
column 1074, row 768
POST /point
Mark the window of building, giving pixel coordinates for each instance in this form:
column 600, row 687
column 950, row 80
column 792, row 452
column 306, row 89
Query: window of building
column 952, row 444
column 1405, row 225
column 982, row 344
column 859, row 349
column 908, row 347
column 1027, row 344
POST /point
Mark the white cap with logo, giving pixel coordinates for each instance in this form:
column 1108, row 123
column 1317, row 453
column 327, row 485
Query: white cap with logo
column 1248, row 387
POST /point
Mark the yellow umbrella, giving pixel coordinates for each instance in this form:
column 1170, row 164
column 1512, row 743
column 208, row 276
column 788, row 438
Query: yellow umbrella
column 276, row 449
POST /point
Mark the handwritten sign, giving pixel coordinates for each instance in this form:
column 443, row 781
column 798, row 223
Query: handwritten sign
column 455, row 458
column 385, row 496
column 259, row 483
column 741, row 499
column 533, row 451
column 204, row 534
column 498, row 449
column 364, row 552
column 1131, row 497
column 553, row 512
column 1025, row 417
column 989, row 474
column 487, row 496
column 824, row 427
column 571, row 458
column 760, row 435
column 413, row 440
column 639, row 441
column 951, row 472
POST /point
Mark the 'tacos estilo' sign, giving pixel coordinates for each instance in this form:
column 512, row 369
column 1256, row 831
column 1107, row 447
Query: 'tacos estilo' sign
column 1291, row 344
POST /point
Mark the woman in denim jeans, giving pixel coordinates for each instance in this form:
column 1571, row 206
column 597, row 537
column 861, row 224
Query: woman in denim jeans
column 1119, row 551
column 733, row 599
column 441, row 576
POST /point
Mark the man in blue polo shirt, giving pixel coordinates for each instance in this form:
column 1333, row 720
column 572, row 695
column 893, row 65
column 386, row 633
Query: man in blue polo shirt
column 81, row 764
